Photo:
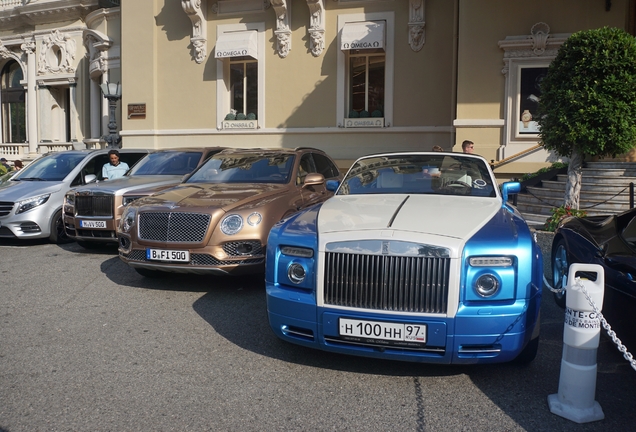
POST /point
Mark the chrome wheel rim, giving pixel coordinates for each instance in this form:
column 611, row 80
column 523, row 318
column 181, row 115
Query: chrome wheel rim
column 560, row 268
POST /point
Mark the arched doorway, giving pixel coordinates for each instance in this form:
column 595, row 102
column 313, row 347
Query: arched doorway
column 12, row 96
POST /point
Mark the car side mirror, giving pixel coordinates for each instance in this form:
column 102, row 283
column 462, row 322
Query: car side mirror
column 314, row 179
column 509, row 188
column 332, row 185
column 90, row 178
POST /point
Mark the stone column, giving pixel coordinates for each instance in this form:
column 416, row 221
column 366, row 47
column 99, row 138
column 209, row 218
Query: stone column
column 32, row 99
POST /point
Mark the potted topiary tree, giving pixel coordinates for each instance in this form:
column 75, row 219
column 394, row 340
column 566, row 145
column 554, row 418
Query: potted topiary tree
column 588, row 101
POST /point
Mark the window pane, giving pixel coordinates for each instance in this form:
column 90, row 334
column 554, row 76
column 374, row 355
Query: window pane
column 18, row 128
column 357, row 98
column 252, row 88
column 237, row 74
column 376, row 86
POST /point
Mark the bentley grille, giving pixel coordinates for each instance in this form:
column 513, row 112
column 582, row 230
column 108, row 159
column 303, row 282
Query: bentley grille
column 173, row 227
column 386, row 282
column 94, row 205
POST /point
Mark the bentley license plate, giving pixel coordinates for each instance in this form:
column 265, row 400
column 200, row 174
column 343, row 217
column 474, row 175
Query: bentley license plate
column 167, row 255
column 382, row 330
column 93, row 224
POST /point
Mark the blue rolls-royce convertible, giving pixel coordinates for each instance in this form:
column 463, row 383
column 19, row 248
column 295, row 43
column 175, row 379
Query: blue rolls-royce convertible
column 417, row 257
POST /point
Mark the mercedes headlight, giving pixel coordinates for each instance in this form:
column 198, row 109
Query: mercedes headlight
column 128, row 219
column 31, row 203
column 232, row 224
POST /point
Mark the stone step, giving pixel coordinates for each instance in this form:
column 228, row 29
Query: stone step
column 611, row 165
column 616, row 172
column 585, row 187
column 546, row 210
column 617, row 194
column 611, row 180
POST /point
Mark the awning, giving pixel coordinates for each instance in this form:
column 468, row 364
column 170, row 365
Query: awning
column 237, row 44
column 362, row 35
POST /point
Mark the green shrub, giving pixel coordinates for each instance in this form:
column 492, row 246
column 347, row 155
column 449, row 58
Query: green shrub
column 560, row 213
column 555, row 165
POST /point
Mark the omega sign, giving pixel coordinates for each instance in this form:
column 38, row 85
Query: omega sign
column 232, row 53
column 361, row 45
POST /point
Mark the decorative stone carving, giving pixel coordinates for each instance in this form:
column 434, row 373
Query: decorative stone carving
column 282, row 32
column 28, row 47
column 196, row 12
column 540, row 32
column 316, row 26
column 56, row 54
column 97, row 45
column 538, row 44
column 416, row 24
column 4, row 51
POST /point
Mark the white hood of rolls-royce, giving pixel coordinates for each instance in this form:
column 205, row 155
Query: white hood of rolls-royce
column 437, row 219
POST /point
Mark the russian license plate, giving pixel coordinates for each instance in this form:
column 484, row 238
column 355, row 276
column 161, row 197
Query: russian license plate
column 382, row 331
column 92, row 224
column 167, row 255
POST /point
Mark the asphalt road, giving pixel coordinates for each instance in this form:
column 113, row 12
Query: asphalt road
column 86, row 344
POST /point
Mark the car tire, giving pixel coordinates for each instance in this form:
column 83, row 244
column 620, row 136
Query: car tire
column 560, row 265
column 58, row 233
column 150, row 273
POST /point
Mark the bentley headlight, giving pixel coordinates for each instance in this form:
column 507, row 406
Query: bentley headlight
column 254, row 219
column 128, row 219
column 487, row 285
column 232, row 224
column 296, row 273
column 128, row 199
column 69, row 199
column 31, row 203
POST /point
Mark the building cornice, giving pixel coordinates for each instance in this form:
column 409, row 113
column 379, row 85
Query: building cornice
column 47, row 11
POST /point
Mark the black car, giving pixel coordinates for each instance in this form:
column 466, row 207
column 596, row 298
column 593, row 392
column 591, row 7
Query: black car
column 609, row 241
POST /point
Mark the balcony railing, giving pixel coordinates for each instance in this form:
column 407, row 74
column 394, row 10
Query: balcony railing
column 8, row 4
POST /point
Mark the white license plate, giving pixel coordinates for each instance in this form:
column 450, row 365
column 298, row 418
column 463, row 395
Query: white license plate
column 414, row 333
column 93, row 224
column 167, row 255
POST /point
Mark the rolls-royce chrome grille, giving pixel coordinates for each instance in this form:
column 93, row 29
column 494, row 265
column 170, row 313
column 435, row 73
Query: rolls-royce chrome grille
column 173, row 227
column 384, row 281
column 94, row 205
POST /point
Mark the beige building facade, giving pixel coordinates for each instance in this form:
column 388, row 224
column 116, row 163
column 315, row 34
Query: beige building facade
column 350, row 77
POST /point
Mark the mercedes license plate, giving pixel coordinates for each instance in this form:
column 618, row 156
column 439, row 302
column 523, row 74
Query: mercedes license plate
column 168, row 255
column 92, row 224
column 382, row 331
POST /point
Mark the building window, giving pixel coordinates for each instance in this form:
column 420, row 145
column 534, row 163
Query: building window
column 366, row 83
column 240, row 80
column 12, row 97
column 244, row 87
column 529, row 95
column 365, row 70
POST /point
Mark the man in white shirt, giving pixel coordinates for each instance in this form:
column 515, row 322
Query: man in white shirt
column 115, row 168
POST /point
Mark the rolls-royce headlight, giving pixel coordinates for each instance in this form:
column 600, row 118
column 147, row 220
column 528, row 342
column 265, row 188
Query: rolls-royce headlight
column 296, row 273
column 128, row 219
column 487, row 285
column 297, row 251
column 128, row 199
column 232, row 224
column 28, row 204
column 494, row 261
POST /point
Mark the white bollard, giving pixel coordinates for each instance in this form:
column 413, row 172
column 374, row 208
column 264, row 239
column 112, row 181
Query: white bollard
column 581, row 334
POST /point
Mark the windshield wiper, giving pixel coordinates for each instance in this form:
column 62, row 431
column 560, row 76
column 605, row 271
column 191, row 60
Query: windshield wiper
column 32, row 179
